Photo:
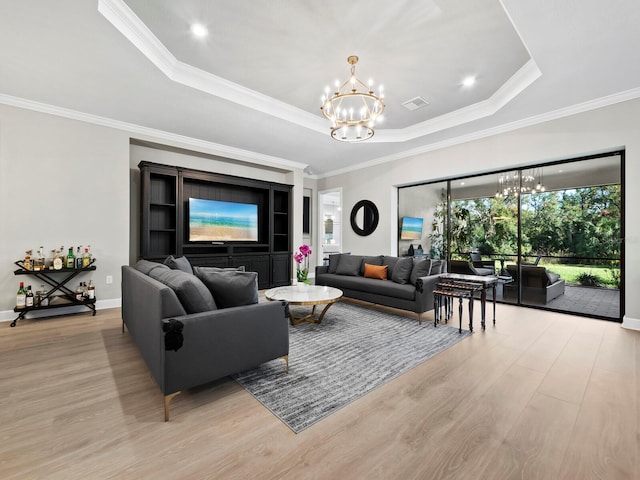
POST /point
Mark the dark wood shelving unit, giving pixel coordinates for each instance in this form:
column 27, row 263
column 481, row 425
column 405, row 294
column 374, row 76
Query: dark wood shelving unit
column 165, row 193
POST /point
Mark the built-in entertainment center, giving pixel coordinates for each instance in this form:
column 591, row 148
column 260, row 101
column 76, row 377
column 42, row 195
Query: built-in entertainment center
column 216, row 220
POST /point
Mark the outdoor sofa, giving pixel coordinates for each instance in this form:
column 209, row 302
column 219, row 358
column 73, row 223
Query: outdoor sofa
column 539, row 286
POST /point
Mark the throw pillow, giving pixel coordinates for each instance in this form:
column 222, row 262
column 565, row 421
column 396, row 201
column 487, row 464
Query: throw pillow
column 402, row 270
column 334, row 260
column 390, row 262
column 180, row 263
column 145, row 266
column 230, row 288
column 421, row 268
column 436, row 267
column 375, row 271
column 192, row 293
column 552, row 277
column 205, row 270
column 349, row 265
column 377, row 260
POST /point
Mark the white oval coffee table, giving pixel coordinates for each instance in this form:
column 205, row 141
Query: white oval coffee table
column 312, row 295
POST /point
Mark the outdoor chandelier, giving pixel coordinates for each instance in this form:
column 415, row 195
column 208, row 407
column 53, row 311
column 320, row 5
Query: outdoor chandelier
column 509, row 183
column 352, row 108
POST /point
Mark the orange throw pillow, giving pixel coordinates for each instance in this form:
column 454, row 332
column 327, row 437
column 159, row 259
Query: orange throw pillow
column 375, row 271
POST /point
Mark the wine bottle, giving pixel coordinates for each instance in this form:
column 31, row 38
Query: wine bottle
column 21, row 299
column 91, row 290
column 86, row 258
column 71, row 259
column 29, row 297
column 78, row 259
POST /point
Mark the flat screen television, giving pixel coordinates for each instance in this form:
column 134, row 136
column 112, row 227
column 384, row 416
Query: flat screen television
column 216, row 221
column 411, row 228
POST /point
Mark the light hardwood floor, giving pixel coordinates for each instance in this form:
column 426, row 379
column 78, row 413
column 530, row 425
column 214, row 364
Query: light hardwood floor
column 539, row 396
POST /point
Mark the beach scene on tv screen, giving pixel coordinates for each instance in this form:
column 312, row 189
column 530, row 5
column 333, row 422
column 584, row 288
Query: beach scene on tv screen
column 411, row 228
column 216, row 221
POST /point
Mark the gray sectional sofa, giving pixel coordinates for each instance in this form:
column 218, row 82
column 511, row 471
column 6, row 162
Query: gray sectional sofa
column 187, row 330
column 399, row 282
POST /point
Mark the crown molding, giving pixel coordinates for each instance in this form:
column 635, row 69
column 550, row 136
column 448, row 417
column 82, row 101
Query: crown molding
column 154, row 134
column 131, row 27
column 129, row 24
column 508, row 127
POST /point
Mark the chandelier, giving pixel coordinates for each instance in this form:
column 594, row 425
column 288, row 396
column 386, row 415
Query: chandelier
column 352, row 107
column 510, row 183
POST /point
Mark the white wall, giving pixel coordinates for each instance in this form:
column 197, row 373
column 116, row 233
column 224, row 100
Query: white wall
column 62, row 182
column 600, row 130
column 67, row 182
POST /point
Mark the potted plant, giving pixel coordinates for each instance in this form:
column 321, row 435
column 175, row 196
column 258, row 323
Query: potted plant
column 302, row 260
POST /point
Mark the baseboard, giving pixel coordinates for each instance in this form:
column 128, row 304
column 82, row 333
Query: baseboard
column 631, row 323
column 10, row 315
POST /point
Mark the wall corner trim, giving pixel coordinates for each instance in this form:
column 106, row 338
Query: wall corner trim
column 631, row 323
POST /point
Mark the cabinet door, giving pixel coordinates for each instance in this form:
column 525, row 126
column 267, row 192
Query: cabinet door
column 280, row 270
column 221, row 261
column 254, row 263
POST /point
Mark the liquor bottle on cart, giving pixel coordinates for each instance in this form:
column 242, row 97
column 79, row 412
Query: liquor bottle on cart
column 21, row 299
column 71, row 259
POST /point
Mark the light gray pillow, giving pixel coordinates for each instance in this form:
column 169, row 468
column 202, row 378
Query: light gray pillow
column 192, row 293
column 349, row 265
column 230, row 288
column 145, row 266
column 180, row 263
column 552, row 278
column 421, row 268
column 402, row 270
column 436, row 267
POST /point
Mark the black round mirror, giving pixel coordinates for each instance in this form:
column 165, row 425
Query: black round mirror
column 364, row 217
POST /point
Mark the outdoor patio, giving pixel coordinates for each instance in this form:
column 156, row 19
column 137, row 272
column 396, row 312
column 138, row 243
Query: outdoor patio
column 598, row 301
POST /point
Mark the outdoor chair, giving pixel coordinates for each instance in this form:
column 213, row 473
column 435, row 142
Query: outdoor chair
column 477, row 262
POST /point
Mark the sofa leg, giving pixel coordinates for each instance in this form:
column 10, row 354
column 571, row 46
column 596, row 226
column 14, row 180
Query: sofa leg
column 167, row 401
column 286, row 360
column 419, row 319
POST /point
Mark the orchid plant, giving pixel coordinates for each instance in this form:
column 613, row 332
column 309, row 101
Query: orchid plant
column 302, row 259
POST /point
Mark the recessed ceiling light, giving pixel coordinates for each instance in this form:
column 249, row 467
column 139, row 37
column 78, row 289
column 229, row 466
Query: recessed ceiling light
column 469, row 81
column 199, row 30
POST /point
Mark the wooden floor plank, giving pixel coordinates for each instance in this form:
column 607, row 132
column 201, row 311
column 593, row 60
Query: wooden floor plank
column 531, row 397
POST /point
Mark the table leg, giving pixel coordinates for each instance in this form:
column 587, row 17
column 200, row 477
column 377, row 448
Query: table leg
column 460, row 312
column 494, row 304
column 470, row 315
column 309, row 318
column 436, row 309
column 483, row 305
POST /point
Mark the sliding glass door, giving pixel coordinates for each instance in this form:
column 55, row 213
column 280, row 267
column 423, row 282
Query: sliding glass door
column 550, row 233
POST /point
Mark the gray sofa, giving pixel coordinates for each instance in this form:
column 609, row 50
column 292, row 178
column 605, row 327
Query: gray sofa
column 539, row 286
column 184, row 347
column 408, row 283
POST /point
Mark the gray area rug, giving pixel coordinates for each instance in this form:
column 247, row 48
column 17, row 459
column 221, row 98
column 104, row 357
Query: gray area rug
column 352, row 352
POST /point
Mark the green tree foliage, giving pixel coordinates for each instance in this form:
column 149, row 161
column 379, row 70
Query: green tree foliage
column 582, row 223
